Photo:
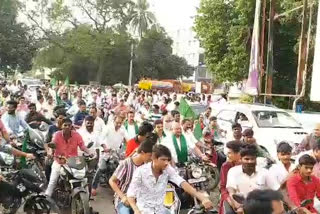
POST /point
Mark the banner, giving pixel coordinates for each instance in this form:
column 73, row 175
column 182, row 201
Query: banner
column 315, row 83
column 252, row 84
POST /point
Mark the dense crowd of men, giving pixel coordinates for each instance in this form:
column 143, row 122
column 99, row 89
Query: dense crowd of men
column 152, row 137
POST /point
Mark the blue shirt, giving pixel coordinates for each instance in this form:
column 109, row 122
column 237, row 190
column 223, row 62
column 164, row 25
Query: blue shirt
column 14, row 123
column 79, row 118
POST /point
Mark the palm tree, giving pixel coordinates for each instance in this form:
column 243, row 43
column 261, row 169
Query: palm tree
column 142, row 18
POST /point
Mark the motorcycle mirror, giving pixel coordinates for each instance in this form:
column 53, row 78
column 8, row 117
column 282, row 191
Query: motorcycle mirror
column 52, row 145
column 238, row 198
column 306, row 202
column 90, row 145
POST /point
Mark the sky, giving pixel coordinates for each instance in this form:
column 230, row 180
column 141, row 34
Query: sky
column 173, row 14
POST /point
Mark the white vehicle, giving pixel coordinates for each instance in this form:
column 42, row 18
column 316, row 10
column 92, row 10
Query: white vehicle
column 30, row 83
column 271, row 125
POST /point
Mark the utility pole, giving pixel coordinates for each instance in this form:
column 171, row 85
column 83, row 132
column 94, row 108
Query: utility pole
column 131, row 66
column 305, row 57
column 302, row 48
column 262, row 36
column 269, row 70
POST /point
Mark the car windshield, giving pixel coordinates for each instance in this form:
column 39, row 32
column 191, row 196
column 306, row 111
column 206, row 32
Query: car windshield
column 275, row 119
column 198, row 109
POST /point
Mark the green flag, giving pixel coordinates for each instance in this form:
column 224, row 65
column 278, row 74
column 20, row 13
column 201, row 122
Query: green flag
column 197, row 131
column 185, row 110
column 58, row 99
column 23, row 162
column 67, row 81
column 53, row 82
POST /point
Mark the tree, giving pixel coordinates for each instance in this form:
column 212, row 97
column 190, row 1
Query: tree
column 154, row 58
column 17, row 45
column 141, row 18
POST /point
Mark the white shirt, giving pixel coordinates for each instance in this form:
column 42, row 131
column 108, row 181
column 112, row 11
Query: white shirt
column 87, row 138
column 111, row 138
column 150, row 192
column 279, row 173
column 130, row 132
column 99, row 125
column 168, row 142
column 189, row 134
column 243, row 183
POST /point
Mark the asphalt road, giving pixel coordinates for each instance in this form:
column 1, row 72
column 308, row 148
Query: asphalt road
column 102, row 203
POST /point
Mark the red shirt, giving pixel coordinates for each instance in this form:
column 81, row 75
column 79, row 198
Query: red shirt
column 299, row 190
column 131, row 146
column 226, row 166
column 68, row 148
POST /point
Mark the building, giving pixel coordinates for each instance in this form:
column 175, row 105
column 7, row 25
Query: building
column 179, row 26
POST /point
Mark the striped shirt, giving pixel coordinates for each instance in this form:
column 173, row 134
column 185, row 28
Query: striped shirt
column 124, row 173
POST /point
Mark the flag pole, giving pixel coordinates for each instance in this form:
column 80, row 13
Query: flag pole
column 269, row 70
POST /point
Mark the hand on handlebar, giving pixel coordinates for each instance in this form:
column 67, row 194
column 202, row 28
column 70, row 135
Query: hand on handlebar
column 207, row 204
column 1, row 178
column 30, row 156
column 303, row 210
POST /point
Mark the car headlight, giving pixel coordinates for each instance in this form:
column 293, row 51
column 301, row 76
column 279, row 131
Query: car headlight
column 79, row 174
column 196, row 172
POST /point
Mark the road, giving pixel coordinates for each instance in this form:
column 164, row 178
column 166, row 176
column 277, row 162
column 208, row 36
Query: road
column 103, row 202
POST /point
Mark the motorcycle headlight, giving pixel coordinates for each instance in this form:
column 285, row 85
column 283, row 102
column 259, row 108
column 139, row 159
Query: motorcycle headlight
column 7, row 158
column 196, row 172
column 79, row 174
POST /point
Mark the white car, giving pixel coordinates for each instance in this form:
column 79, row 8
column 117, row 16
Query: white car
column 271, row 125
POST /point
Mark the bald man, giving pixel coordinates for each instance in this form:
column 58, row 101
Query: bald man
column 180, row 146
column 310, row 140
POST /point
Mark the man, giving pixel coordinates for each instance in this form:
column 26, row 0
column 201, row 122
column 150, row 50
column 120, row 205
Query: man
column 176, row 116
column 245, row 178
column 311, row 139
column 236, row 134
column 82, row 113
column 49, row 107
column 167, row 123
column 88, row 135
column 155, row 115
column 214, row 128
column 134, row 143
column 65, row 100
column 248, row 137
column 304, row 185
column 131, row 126
column 99, row 124
column 67, row 143
column 159, row 131
column 180, row 145
column 34, row 116
column 282, row 169
column 22, row 109
column 11, row 121
column 206, row 116
column 148, row 186
column 266, row 202
column 40, row 105
column 122, row 177
column 112, row 138
column 233, row 154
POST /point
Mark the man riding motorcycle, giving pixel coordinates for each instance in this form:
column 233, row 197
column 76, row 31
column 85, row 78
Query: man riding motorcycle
column 67, row 142
column 180, row 145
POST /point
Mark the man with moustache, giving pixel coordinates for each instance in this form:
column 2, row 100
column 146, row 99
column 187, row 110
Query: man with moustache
column 245, row 178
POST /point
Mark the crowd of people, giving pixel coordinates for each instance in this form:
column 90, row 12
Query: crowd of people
column 152, row 136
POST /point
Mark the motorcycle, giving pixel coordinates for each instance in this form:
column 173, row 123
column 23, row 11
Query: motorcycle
column 72, row 185
column 171, row 200
column 201, row 175
column 92, row 163
column 112, row 161
column 241, row 199
column 23, row 188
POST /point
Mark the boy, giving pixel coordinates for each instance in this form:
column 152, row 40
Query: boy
column 121, row 178
column 304, row 185
column 148, row 186
column 233, row 154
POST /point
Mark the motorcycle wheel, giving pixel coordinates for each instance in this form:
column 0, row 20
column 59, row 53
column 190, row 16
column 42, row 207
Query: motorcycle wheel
column 214, row 178
column 80, row 204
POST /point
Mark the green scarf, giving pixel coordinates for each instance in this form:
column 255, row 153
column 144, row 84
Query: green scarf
column 163, row 136
column 136, row 128
column 183, row 153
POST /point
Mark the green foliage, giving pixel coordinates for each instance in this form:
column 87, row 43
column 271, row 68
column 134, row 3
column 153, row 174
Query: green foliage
column 17, row 45
column 246, row 99
column 154, row 58
column 224, row 31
